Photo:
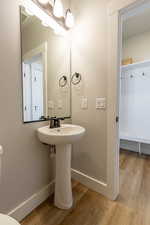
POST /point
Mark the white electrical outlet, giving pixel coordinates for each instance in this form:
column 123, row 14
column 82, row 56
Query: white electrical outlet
column 100, row 103
column 84, row 102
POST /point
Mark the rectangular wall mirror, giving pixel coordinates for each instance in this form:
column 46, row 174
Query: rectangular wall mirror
column 45, row 71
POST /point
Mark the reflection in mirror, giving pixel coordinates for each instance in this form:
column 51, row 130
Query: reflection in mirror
column 45, row 71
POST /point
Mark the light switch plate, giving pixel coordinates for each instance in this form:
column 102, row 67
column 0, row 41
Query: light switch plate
column 84, row 102
column 100, row 103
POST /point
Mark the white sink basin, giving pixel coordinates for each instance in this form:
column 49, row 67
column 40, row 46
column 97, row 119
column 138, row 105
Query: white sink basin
column 66, row 134
column 62, row 137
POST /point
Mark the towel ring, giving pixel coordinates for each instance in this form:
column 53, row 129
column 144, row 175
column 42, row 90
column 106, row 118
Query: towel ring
column 76, row 78
column 62, row 81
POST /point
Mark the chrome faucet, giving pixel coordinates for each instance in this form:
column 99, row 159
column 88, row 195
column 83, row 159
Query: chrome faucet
column 55, row 122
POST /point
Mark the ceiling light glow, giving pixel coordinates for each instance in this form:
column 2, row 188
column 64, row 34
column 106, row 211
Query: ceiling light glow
column 31, row 7
column 69, row 19
column 58, row 8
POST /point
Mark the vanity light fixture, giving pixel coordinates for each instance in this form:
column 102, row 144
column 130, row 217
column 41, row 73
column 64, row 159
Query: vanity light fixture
column 47, row 20
column 69, row 19
column 43, row 2
column 58, row 9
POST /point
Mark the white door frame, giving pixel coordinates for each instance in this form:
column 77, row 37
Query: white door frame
column 41, row 49
column 116, row 9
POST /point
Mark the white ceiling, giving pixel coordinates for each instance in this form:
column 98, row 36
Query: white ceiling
column 136, row 22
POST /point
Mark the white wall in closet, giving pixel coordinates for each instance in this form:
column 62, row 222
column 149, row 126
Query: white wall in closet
column 137, row 47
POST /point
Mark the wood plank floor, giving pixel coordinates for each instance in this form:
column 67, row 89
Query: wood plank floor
column 90, row 208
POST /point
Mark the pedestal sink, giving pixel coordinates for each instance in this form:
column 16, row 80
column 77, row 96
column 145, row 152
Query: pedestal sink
column 62, row 137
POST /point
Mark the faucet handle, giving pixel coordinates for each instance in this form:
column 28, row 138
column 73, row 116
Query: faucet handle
column 52, row 122
column 55, row 122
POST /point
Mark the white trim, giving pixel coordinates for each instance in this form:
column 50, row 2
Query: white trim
column 90, row 182
column 41, row 49
column 135, row 139
column 116, row 5
column 115, row 11
column 26, row 207
column 135, row 146
column 112, row 110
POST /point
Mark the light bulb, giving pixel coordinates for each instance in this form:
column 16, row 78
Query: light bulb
column 69, row 19
column 58, row 8
column 43, row 2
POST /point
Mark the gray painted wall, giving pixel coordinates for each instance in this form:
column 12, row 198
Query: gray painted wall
column 26, row 163
column 89, row 55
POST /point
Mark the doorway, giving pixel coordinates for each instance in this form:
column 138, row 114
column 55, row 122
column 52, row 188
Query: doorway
column 134, row 106
column 117, row 13
column 33, row 81
column 34, row 77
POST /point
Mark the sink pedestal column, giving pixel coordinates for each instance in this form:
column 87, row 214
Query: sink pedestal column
column 63, row 188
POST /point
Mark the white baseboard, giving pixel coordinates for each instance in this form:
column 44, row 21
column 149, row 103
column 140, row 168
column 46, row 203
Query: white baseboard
column 90, row 182
column 133, row 146
column 26, row 207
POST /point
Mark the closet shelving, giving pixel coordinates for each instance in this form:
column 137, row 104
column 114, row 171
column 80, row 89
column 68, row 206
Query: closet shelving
column 136, row 65
column 135, row 103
